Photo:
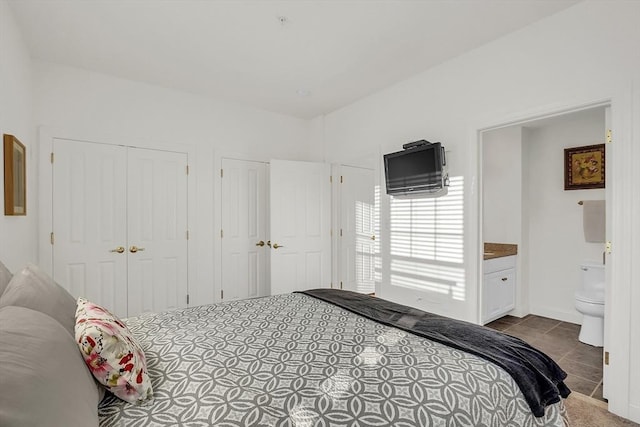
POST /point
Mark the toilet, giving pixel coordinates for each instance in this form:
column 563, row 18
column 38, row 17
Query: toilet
column 590, row 302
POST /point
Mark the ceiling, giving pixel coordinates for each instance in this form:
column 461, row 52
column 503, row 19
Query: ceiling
column 299, row 57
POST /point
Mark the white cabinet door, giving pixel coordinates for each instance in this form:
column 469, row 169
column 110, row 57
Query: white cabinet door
column 89, row 222
column 499, row 294
column 492, row 299
column 507, row 290
column 357, row 235
column 244, row 229
column 300, row 226
column 157, row 230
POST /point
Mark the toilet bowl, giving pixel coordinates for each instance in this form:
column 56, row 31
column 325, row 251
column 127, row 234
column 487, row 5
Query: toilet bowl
column 589, row 300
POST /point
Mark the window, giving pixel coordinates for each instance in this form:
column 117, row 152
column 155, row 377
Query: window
column 427, row 242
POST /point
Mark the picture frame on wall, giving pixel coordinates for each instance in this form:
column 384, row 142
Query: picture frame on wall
column 584, row 167
column 15, row 176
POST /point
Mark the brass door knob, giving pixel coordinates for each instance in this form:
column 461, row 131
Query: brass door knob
column 373, row 237
column 260, row 243
column 134, row 249
column 276, row 246
column 119, row 249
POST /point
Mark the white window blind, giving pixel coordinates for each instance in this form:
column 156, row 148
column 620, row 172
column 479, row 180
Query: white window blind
column 427, row 242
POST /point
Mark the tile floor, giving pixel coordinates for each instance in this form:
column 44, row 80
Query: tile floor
column 582, row 362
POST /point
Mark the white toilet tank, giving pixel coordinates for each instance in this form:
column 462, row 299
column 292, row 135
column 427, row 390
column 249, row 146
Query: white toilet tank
column 592, row 277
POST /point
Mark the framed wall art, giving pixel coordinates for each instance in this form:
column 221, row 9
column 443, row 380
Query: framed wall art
column 15, row 176
column 584, row 167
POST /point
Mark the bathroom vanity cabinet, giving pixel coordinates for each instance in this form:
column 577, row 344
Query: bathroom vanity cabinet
column 499, row 287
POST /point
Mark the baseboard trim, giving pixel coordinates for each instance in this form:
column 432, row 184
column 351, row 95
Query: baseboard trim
column 557, row 314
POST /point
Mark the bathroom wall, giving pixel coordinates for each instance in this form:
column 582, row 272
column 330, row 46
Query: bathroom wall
column 503, row 199
column 556, row 240
column 502, row 185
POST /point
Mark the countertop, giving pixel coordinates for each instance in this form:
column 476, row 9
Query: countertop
column 498, row 250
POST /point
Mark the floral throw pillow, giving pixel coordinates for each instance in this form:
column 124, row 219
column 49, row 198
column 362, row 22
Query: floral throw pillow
column 111, row 352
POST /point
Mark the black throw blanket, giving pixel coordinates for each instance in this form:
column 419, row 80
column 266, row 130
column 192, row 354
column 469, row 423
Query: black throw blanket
column 540, row 379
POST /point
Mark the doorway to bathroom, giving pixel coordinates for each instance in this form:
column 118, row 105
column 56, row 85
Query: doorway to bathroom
column 526, row 205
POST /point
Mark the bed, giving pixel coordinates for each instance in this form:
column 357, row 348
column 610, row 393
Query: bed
column 296, row 360
column 319, row 358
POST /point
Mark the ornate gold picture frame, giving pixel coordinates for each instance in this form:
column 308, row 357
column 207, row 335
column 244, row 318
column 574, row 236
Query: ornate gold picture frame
column 15, row 176
column 584, row 167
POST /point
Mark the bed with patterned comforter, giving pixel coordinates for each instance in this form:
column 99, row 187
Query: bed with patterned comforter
column 294, row 360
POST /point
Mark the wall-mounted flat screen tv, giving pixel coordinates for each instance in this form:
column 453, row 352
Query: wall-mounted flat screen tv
column 417, row 171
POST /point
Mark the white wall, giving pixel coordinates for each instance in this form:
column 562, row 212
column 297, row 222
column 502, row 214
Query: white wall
column 573, row 58
column 17, row 233
column 526, row 73
column 503, row 216
column 502, row 185
column 556, row 239
column 71, row 102
column 522, row 291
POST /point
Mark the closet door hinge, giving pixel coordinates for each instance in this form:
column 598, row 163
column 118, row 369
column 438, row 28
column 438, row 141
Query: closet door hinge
column 330, row 178
column 221, row 234
column 221, row 173
column 606, row 358
column 187, row 169
column 341, row 284
column 340, row 179
column 51, row 238
column 609, row 137
column 221, row 293
column 187, row 234
column 187, row 299
column 51, row 157
column 341, row 232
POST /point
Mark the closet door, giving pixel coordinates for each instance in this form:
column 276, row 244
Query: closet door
column 89, row 222
column 357, row 234
column 244, row 227
column 157, row 230
column 300, row 226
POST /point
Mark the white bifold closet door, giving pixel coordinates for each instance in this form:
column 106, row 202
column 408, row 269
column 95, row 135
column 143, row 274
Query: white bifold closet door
column 119, row 225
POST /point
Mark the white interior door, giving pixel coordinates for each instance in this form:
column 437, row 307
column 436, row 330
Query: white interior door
column 300, row 225
column 357, row 235
column 244, row 229
column 89, row 222
column 157, row 230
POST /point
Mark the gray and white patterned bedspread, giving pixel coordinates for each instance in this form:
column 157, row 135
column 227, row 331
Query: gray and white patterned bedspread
column 293, row 360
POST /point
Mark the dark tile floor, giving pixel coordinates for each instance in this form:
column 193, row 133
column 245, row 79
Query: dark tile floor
column 582, row 362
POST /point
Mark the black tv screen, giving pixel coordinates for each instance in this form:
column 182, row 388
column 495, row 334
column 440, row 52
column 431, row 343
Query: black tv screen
column 418, row 169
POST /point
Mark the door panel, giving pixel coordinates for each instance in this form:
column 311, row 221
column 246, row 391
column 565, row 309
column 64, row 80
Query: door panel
column 300, row 226
column 357, row 234
column 244, row 225
column 89, row 222
column 157, row 227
